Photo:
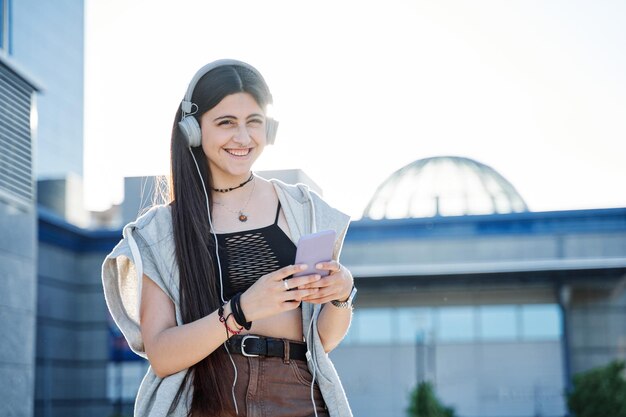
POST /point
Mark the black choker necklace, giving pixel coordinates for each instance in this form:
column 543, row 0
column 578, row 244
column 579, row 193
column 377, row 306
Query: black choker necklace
column 225, row 190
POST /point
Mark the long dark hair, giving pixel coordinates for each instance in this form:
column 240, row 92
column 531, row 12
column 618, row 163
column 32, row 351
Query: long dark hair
column 195, row 247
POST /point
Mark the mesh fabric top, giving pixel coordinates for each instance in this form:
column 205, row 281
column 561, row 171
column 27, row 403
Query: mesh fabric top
column 247, row 255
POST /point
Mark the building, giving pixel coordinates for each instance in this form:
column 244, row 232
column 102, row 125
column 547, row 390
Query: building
column 461, row 286
column 43, row 370
column 47, row 38
column 18, row 229
column 72, row 328
column 497, row 310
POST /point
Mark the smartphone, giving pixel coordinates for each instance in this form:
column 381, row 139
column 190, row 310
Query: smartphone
column 313, row 249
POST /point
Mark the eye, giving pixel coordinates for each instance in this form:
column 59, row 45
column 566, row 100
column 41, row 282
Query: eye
column 226, row 122
column 255, row 121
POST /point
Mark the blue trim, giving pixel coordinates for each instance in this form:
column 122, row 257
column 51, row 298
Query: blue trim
column 526, row 223
column 54, row 230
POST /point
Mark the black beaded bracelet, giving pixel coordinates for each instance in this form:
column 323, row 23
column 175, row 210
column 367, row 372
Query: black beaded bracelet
column 240, row 317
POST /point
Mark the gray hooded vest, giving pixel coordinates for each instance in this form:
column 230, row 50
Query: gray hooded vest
column 148, row 247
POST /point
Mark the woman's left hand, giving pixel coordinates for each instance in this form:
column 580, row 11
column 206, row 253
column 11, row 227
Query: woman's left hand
column 336, row 286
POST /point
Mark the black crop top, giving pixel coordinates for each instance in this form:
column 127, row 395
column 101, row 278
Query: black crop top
column 247, row 255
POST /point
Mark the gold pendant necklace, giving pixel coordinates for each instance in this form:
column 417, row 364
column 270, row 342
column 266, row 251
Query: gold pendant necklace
column 241, row 215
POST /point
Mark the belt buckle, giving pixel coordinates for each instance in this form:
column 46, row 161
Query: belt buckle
column 243, row 345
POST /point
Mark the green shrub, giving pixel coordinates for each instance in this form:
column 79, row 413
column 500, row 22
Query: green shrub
column 599, row 392
column 424, row 403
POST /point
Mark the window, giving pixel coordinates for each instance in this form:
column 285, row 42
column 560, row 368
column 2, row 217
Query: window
column 373, row 325
column 456, row 324
column 413, row 325
column 498, row 323
column 541, row 322
column 487, row 323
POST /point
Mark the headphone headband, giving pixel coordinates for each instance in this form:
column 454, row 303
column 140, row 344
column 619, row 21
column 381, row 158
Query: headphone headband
column 189, row 126
column 187, row 104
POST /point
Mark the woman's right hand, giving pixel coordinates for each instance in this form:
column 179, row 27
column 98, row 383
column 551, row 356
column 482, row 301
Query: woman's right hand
column 269, row 296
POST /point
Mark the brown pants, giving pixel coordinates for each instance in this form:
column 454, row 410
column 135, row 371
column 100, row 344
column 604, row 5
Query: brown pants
column 272, row 387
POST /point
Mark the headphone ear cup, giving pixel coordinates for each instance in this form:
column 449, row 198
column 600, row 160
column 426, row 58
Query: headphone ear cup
column 271, row 127
column 191, row 130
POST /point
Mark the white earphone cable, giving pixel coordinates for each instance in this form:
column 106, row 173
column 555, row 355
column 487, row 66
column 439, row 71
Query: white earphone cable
column 309, row 356
column 235, row 381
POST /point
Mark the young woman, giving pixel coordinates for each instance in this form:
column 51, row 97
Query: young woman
column 202, row 287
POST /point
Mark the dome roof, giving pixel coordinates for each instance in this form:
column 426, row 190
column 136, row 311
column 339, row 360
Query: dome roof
column 444, row 186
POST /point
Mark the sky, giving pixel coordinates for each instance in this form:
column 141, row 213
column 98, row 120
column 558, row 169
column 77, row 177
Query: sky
column 534, row 89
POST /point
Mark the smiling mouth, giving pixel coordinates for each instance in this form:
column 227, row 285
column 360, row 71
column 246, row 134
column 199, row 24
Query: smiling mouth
column 239, row 152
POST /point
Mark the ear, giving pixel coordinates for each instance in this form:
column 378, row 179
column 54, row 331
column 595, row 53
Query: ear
column 191, row 131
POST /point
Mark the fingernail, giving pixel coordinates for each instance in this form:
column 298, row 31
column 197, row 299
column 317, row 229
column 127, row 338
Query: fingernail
column 303, row 267
column 318, row 276
column 319, row 266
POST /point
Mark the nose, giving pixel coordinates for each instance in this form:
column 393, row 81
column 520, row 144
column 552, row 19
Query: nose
column 242, row 136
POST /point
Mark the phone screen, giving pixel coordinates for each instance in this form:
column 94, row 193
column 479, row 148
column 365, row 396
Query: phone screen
column 313, row 249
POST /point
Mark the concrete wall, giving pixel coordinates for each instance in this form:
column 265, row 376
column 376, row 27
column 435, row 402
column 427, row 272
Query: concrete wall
column 17, row 310
column 477, row 379
column 597, row 324
column 18, row 248
column 139, row 195
column 64, row 196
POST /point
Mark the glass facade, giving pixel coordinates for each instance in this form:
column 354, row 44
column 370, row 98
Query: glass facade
column 47, row 39
column 4, row 24
column 500, row 323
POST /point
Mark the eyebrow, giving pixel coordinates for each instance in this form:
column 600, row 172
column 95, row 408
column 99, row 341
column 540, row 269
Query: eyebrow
column 233, row 117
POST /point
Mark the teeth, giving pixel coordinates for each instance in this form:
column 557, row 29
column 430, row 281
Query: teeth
column 238, row 152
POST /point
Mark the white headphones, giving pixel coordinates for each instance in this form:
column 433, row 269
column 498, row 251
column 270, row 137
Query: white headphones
column 189, row 125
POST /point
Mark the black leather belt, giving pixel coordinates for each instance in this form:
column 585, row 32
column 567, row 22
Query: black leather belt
column 252, row 345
